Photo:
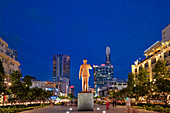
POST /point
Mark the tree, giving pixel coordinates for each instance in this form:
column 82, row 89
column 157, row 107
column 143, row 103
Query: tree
column 2, row 78
column 71, row 96
column 161, row 81
column 27, row 81
column 131, row 82
column 16, row 76
column 160, row 70
column 17, row 88
column 141, row 83
column 142, row 76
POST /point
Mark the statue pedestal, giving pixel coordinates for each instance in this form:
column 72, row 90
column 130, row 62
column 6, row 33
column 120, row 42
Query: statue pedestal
column 85, row 101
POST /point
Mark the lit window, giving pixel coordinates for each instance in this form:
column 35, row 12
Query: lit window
column 2, row 59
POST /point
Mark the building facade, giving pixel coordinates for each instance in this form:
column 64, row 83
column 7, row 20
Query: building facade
column 158, row 51
column 9, row 59
column 103, row 73
column 61, row 67
column 112, row 85
column 58, row 88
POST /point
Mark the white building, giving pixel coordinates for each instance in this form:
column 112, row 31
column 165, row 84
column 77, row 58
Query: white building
column 58, row 88
column 9, row 59
column 112, row 85
column 158, row 51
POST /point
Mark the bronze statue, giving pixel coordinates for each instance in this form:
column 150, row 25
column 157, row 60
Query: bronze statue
column 84, row 73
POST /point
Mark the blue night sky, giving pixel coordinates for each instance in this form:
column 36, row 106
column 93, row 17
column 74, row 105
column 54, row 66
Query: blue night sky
column 37, row 29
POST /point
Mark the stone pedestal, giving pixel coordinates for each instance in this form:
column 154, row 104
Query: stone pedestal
column 85, row 101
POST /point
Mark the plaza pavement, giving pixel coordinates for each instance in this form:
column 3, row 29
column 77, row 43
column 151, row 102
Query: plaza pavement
column 64, row 109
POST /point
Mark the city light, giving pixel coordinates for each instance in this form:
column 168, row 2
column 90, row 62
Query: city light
column 9, row 84
column 98, row 108
column 71, row 109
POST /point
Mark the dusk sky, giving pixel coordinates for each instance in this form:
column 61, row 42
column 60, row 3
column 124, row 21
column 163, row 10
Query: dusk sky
column 37, row 29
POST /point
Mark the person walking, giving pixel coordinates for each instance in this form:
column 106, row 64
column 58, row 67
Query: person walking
column 128, row 105
column 107, row 105
column 114, row 102
column 134, row 110
column 76, row 102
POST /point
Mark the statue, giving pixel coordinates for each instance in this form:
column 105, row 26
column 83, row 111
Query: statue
column 84, row 73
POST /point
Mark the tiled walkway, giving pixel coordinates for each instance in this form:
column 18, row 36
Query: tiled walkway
column 66, row 109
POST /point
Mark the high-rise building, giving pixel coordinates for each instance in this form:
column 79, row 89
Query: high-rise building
column 61, row 67
column 9, row 59
column 72, row 90
column 108, row 58
column 103, row 73
column 158, row 51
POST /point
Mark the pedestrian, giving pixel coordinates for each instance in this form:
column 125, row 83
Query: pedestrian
column 134, row 109
column 71, row 102
column 76, row 102
column 128, row 105
column 114, row 102
column 107, row 105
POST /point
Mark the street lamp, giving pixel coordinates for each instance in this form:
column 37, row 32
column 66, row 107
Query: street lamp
column 9, row 84
column 135, row 89
column 3, row 97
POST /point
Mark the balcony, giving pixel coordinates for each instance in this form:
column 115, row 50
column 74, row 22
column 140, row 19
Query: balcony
column 168, row 64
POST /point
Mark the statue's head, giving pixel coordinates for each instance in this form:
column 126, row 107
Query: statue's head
column 85, row 61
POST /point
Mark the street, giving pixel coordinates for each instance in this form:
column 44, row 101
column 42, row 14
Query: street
column 66, row 109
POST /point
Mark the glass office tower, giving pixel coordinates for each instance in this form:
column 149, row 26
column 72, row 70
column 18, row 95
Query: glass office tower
column 61, row 67
column 102, row 74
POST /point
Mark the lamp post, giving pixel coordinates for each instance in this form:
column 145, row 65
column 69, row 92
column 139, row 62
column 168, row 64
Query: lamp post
column 135, row 89
column 3, row 98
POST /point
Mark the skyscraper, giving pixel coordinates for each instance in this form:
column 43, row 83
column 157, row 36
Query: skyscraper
column 108, row 59
column 61, row 67
column 103, row 73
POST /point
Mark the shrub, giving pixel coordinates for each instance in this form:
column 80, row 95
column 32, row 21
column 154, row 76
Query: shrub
column 58, row 103
column 167, row 110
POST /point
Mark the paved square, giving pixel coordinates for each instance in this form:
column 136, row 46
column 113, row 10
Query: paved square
column 64, row 109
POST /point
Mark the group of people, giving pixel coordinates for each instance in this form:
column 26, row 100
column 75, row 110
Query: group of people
column 114, row 104
column 128, row 105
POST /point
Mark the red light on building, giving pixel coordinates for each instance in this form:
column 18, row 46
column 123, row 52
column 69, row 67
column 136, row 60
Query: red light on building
column 102, row 64
column 71, row 86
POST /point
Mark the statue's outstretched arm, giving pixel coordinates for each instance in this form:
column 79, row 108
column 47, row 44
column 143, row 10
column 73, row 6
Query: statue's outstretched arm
column 90, row 66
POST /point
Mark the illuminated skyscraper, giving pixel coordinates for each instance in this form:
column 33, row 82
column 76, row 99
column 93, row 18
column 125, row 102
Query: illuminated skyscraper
column 61, row 67
column 103, row 73
column 108, row 59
